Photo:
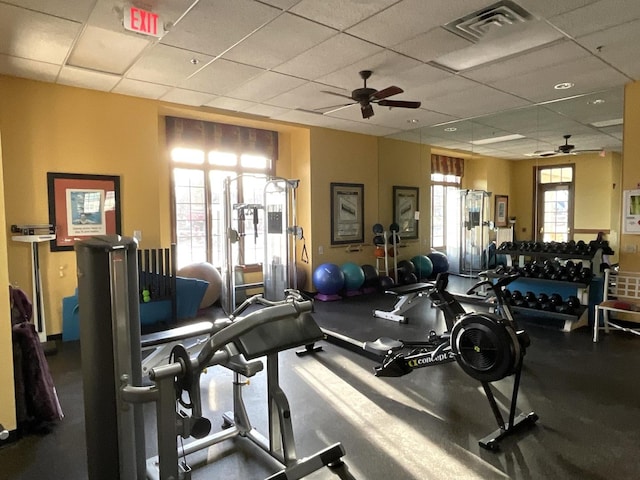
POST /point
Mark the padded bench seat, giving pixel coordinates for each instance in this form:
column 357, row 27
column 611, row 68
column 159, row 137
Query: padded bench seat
column 621, row 295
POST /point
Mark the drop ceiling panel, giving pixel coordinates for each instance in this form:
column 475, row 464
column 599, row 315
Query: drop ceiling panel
column 606, row 105
column 213, row 26
column 78, row 10
column 473, row 101
column 106, row 51
column 550, row 8
column 398, row 118
column 187, row 97
column 335, row 53
column 137, row 88
column 617, row 46
column 79, row 77
column 597, row 16
column 220, row 77
column 558, row 53
column 436, row 89
column 424, row 76
column 587, row 74
column 309, row 96
column 266, row 110
column 231, row 104
column 279, row 41
column 24, row 68
column 36, row 36
column 432, row 44
column 410, row 18
column 266, row 86
column 385, row 65
column 167, row 65
column 339, row 14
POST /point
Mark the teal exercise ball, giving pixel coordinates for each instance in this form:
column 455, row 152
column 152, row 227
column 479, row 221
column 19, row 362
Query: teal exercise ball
column 424, row 267
column 353, row 276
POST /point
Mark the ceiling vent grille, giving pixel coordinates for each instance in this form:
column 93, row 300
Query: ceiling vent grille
column 477, row 25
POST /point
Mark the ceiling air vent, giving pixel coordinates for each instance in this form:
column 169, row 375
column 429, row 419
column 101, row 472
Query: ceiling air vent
column 477, row 25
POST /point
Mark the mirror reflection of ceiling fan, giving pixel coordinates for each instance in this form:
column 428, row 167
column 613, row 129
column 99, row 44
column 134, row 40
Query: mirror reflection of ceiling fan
column 365, row 97
column 566, row 149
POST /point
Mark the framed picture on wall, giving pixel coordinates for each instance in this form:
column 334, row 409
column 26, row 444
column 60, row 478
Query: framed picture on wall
column 347, row 213
column 406, row 201
column 82, row 206
column 501, row 213
column 631, row 212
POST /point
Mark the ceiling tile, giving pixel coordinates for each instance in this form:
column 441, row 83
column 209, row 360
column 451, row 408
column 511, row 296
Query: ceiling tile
column 24, row 68
column 309, row 96
column 231, row 104
column 587, row 74
column 265, row 110
column 386, row 65
column 597, row 16
column 105, row 50
column 550, row 8
column 220, row 77
column 213, row 26
column 335, row 53
column 79, row 77
column 186, row 97
column 473, row 101
column 617, row 46
column 265, row 86
column 340, row 14
column 559, row 53
column 432, row 44
column 410, row 18
column 78, row 10
column 282, row 4
column 35, row 36
column 137, row 88
column 167, row 65
column 280, row 40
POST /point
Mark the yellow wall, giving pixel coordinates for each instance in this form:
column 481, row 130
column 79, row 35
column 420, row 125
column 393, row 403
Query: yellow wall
column 630, row 244
column 7, row 393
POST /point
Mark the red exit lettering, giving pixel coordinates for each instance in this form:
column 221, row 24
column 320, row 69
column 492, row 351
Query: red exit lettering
column 142, row 21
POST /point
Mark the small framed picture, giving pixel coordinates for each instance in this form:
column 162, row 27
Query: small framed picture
column 406, row 201
column 347, row 213
column 501, row 218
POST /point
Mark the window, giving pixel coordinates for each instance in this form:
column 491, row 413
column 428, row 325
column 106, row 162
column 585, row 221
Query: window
column 199, row 205
column 554, row 203
column 445, row 206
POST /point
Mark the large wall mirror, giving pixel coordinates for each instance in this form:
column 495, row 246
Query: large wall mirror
column 556, row 187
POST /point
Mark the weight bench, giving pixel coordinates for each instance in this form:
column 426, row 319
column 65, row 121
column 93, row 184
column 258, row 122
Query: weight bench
column 621, row 295
column 408, row 296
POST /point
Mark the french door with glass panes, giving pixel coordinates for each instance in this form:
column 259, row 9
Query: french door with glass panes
column 554, row 219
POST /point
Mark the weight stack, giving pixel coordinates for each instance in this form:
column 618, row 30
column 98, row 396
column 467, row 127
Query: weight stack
column 111, row 356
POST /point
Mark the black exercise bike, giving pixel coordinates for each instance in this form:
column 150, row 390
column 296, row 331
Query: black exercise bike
column 487, row 346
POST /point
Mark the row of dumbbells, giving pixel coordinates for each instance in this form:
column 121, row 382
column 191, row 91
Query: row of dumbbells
column 549, row 269
column 580, row 248
column 543, row 301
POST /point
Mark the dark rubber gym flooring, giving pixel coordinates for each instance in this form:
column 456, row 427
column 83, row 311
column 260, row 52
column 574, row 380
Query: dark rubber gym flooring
column 425, row 425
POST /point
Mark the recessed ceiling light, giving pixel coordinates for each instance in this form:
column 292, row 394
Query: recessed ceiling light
column 504, row 138
column 563, row 86
column 450, row 129
column 597, row 101
column 413, row 120
column 195, row 61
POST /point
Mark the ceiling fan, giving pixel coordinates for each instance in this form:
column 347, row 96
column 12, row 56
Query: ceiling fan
column 566, row 149
column 366, row 96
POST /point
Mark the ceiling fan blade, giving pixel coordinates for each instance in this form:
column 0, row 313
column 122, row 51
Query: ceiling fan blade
column 386, row 92
column 336, row 94
column 399, row 103
column 338, row 107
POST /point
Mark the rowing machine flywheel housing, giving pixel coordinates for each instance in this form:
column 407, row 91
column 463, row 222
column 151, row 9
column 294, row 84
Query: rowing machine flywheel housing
column 486, row 347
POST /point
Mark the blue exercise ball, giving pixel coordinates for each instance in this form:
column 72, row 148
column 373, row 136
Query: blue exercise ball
column 440, row 262
column 328, row 279
column 353, row 276
column 424, row 267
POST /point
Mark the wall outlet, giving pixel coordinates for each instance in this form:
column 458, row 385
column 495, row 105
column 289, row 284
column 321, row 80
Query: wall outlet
column 320, row 250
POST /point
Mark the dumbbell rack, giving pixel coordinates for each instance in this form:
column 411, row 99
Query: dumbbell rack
column 581, row 290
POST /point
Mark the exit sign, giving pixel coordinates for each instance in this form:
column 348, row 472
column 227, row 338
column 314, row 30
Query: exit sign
column 142, row 21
